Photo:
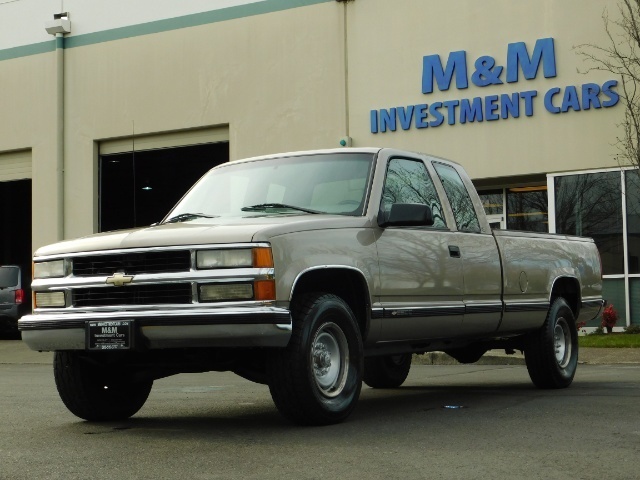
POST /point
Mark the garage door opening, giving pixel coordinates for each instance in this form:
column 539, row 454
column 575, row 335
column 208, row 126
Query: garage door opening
column 139, row 188
column 15, row 215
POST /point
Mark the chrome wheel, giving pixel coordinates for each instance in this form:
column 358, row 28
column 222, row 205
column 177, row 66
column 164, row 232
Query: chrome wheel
column 551, row 353
column 329, row 358
column 317, row 379
column 562, row 342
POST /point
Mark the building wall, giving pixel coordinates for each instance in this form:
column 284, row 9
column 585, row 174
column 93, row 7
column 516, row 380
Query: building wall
column 385, row 59
column 283, row 75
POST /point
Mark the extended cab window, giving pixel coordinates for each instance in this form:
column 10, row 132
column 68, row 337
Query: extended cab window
column 408, row 181
column 461, row 204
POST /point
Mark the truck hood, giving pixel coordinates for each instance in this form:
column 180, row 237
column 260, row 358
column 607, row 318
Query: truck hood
column 204, row 232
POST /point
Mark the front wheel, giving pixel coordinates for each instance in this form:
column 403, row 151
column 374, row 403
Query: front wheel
column 93, row 393
column 317, row 379
column 552, row 352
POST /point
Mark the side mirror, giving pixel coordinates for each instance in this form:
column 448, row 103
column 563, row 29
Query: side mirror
column 407, row 215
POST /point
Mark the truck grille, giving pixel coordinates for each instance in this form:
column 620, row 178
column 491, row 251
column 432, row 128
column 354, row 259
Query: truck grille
column 173, row 293
column 133, row 263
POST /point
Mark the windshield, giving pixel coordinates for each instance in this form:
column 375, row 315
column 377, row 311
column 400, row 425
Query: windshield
column 8, row 277
column 323, row 183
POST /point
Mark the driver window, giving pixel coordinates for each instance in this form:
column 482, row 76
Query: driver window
column 408, row 181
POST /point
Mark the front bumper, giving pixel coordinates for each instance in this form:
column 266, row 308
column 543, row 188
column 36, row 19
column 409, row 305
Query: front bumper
column 153, row 329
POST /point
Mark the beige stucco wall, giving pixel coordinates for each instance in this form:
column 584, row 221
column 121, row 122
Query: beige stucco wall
column 387, row 41
column 27, row 122
column 277, row 81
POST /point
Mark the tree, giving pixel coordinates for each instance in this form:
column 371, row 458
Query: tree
column 621, row 56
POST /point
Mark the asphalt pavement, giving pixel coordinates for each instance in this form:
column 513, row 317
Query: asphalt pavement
column 15, row 351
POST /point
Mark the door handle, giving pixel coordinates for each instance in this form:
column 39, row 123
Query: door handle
column 454, row 251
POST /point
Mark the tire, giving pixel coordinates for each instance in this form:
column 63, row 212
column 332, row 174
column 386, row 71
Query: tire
column 551, row 354
column 387, row 372
column 89, row 392
column 467, row 355
column 317, row 379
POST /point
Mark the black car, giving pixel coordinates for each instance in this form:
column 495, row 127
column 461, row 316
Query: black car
column 13, row 301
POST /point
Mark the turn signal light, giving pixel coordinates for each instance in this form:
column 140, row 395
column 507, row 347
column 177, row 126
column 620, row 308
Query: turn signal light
column 262, row 257
column 264, row 289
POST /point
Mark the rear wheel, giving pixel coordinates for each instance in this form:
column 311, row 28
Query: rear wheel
column 467, row 355
column 387, row 372
column 317, row 379
column 93, row 393
column 552, row 352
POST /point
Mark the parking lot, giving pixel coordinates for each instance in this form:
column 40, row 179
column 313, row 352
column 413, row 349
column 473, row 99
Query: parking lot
column 448, row 421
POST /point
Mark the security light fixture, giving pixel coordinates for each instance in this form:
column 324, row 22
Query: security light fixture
column 59, row 24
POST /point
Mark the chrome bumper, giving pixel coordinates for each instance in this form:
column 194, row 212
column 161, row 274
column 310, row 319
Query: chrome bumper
column 211, row 327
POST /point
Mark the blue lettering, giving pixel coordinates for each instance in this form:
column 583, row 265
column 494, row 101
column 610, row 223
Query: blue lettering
column 388, row 119
column 510, row 105
column 590, row 92
column 405, row 116
column 614, row 97
column 570, row 99
column 374, row 121
column 490, row 107
column 435, row 112
column 471, row 111
column 518, row 58
column 451, row 110
column 421, row 115
column 548, row 100
column 528, row 96
column 432, row 68
column 486, row 72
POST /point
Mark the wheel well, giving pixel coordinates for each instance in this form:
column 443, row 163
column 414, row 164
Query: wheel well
column 569, row 289
column 347, row 284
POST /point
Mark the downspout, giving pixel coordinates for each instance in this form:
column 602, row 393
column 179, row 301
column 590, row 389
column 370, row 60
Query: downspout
column 346, row 74
column 59, row 26
column 346, row 140
column 60, row 133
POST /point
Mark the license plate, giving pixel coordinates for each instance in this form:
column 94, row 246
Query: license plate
column 109, row 335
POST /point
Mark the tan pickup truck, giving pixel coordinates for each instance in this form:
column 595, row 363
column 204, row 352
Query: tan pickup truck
column 311, row 272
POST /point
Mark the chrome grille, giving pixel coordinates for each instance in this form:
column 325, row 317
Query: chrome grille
column 133, row 263
column 159, row 294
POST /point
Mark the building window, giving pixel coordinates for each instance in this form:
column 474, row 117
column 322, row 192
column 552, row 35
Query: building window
column 492, row 201
column 590, row 205
column 527, row 209
column 632, row 196
column 140, row 188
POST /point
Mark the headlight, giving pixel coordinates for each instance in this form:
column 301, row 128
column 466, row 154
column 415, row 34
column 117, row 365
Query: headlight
column 259, row 257
column 48, row 269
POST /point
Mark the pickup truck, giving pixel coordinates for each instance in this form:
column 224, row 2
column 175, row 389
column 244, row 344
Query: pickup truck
column 310, row 272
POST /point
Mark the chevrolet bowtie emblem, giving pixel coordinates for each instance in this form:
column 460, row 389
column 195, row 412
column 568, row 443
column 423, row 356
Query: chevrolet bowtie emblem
column 119, row 279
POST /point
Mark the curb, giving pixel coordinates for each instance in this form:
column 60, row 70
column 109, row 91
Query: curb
column 586, row 356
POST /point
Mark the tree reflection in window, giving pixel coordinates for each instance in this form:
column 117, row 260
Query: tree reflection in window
column 408, row 181
column 590, row 205
column 633, row 219
column 461, row 204
column 527, row 209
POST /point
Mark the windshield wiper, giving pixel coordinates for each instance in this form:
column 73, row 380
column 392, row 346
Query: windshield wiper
column 183, row 217
column 261, row 207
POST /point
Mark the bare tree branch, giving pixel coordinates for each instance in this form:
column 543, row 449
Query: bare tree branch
column 621, row 56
